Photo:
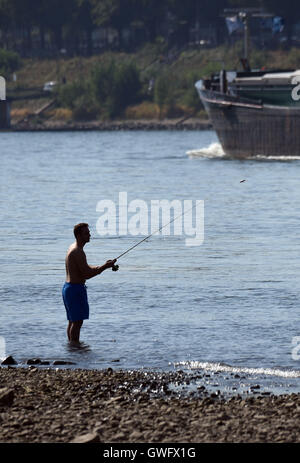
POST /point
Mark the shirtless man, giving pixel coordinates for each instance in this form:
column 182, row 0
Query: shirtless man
column 74, row 290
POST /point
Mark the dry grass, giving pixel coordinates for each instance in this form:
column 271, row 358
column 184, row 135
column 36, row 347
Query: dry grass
column 145, row 110
column 19, row 113
column 29, row 105
column 60, row 114
column 148, row 111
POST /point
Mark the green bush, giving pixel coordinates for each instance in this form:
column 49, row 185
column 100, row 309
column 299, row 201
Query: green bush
column 85, row 109
column 190, row 96
column 9, row 62
column 115, row 86
column 292, row 58
column 77, row 96
column 110, row 89
column 161, row 92
column 166, row 93
column 68, row 94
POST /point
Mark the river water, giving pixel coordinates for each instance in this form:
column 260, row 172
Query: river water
column 229, row 305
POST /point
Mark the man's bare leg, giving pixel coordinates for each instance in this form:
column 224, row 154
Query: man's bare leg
column 75, row 331
column 69, row 331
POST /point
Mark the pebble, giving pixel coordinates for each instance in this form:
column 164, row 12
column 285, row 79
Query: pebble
column 6, row 396
column 201, row 388
column 86, row 438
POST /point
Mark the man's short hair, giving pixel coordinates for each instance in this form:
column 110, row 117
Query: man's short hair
column 77, row 229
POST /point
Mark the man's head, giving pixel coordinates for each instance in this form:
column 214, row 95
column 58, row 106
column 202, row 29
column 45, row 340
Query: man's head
column 82, row 232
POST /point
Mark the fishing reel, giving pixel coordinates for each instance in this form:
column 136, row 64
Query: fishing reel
column 115, row 268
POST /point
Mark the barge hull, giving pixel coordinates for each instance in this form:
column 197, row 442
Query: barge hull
column 246, row 128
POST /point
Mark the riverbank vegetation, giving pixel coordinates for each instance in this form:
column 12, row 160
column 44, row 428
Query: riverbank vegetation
column 142, row 85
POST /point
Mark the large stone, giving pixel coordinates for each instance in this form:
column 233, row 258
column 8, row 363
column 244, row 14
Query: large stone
column 9, row 361
column 34, row 361
column 6, row 396
column 62, row 362
column 91, row 437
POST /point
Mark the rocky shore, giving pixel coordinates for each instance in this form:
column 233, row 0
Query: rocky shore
column 42, row 404
column 167, row 124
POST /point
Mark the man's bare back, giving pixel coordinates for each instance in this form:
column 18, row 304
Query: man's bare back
column 77, row 267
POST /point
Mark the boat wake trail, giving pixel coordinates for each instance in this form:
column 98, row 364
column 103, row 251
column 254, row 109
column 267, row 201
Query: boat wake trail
column 274, row 158
column 213, row 151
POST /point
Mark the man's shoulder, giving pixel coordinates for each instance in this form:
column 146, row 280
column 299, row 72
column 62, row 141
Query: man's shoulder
column 75, row 251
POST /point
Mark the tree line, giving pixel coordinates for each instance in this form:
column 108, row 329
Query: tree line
column 77, row 27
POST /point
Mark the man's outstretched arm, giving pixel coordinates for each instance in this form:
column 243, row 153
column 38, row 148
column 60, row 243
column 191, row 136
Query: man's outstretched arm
column 89, row 271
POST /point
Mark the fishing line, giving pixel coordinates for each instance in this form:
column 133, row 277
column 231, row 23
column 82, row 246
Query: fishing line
column 156, row 231
column 116, row 267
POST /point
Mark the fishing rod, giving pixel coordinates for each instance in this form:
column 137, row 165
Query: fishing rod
column 149, row 236
column 115, row 268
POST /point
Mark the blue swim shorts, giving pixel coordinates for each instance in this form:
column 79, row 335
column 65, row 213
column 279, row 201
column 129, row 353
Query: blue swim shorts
column 76, row 301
